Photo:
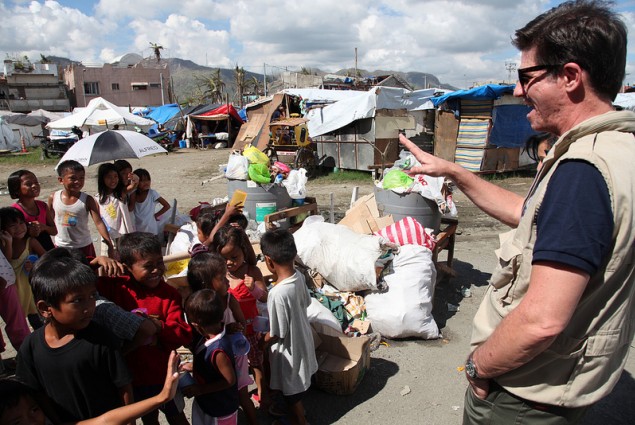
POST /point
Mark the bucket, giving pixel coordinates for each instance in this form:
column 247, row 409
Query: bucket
column 182, row 144
column 261, row 201
column 424, row 210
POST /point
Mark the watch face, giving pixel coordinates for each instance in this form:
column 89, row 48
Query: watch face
column 470, row 369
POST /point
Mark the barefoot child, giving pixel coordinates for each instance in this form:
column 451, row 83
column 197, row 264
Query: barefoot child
column 215, row 394
column 246, row 284
column 24, row 186
column 12, row 222
column 71, row 208
column 290, row 341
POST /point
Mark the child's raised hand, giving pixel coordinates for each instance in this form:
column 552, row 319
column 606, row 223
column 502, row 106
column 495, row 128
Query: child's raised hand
column 6, row 237
column 172, row 377
column 34, row 229
column 133, row 181
column 249, row 282
column 111, row 267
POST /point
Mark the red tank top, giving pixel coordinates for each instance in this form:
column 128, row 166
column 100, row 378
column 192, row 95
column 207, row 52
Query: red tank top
column 247, row 304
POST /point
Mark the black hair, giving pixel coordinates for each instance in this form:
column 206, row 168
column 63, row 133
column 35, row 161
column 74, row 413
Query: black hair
column 203, row 268
column 205, row 308
column 103, row 170
column 10, row 215
column 229, row 235
column 121, row 164
column 62, row 252
column 532, row 143
column 15, row 181
column 585, row 32
column 142, row 173
column 69, row 165
column 239, row 219
column 11, row 391
column 279, row 245
column 52, row 278
column 206, row 222
column 138, row 243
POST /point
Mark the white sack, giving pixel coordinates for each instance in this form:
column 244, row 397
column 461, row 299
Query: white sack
column 318, row 314
column 346, row 259
column 405, row 309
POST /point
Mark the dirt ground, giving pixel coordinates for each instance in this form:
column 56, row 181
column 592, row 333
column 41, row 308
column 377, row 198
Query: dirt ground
column 409, row 381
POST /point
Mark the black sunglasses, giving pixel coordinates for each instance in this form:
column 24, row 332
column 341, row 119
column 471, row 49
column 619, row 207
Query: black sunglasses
column 523, row 78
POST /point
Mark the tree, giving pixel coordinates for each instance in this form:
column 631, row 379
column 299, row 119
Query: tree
column 241, row 84
column 211, row 86
column 305, row 71
column 157, row 50
column 255, row 86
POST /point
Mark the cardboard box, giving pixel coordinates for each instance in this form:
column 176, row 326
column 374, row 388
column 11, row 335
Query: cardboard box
column 364, row 217
column 342, row 362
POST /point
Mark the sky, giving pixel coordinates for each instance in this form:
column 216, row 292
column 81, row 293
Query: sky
column 459, row 41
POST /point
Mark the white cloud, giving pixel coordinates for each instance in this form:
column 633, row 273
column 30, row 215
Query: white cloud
column 184, row 38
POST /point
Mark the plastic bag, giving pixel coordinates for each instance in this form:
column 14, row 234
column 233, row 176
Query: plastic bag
column 237, row 167
column 296, row 183
column 396, row 179
column 259, row 173
column 408, row 231
column 255, row 156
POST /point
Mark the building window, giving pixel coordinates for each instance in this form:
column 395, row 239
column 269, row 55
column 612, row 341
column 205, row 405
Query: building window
column 139, row 86
column 155, row 85
column 115, row 86
column 91, row 88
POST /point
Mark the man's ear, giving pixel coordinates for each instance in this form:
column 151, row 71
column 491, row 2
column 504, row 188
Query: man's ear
column 44, row 309
column 572, row 73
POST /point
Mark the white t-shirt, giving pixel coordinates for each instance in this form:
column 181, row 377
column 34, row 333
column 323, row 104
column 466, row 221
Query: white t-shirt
column 6, row 271
column 292, row 357
column 116, row 216
column 144, row 213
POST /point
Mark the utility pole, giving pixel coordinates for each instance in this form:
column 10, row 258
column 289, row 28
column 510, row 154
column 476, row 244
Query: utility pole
column 264, row 65
column 510, row 67
column 162, row 97
column 355, row 76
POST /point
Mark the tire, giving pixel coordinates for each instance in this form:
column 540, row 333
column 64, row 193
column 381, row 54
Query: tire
column 45, row 151
column 305, row 158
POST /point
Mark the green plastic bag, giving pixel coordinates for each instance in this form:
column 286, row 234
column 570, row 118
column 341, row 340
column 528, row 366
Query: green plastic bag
column 396, row 179
column 259, row 173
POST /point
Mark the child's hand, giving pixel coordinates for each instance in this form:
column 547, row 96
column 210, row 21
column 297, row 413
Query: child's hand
column 171, row 378
column 235, row 327
column 28, row 266
column 186, row 367
column 231, row 210
column 249, row 282
column 34, row 229
column 111, row 267
column 6, row 237
column 133, row 181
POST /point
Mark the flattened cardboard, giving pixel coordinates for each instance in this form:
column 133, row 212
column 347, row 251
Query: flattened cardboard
column 364, row 218
column 363, row 326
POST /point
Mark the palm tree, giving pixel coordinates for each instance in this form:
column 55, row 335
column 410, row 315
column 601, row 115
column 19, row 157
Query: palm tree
column 255, row 85
column 157, row 50
column 211, row 86
column 241, row 84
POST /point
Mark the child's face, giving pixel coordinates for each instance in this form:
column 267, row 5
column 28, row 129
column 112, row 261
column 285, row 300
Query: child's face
column 124, row 173
column 234, row 257
column 26, row 412
column 29, row 186
column 111, row 180
column 17, row 229
column 76, row 309
column 148, row 269
column 220, row 284
column 73, row 181
column 202, row 237
column 145, row 183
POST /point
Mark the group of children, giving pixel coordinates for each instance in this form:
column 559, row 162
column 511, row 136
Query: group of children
column 101, row 344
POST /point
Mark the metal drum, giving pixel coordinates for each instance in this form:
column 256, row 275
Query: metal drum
column 424, row 210
column 261, row 201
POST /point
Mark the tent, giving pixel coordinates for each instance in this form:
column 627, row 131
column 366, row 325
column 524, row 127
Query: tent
column 7, row 138
column 219, row 124
column 625, row 100
column 101, row 114
column 162, row 114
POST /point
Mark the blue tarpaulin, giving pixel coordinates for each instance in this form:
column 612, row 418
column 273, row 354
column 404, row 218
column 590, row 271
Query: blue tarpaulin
column 511, row 128
column 161, row 114
column 489, row 91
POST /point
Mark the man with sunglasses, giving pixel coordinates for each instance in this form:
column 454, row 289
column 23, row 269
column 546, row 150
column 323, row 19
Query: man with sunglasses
column 552, row 333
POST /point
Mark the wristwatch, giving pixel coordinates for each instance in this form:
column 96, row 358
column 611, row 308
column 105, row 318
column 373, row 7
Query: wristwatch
column 470, row 368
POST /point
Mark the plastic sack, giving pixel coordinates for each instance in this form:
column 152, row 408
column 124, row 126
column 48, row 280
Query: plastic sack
column 259, row 173
column 317, row 313
column 397, row 179
column 408, row 231
column 255, row 156
column 237, row 167
column 296, row 183
column 429, row 187
column 405, row 309
column 323, row 246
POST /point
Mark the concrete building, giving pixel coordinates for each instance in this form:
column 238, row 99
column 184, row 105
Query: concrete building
column 26, row 87
column 128, row 81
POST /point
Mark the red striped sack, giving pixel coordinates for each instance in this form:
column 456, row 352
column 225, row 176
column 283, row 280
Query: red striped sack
column 408, row 231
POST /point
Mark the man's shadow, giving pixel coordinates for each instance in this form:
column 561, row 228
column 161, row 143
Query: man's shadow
column 615, row 409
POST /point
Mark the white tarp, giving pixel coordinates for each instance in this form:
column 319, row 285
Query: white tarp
column 7, row 139
column 625, row 100
column 322, row 95
column 100, row 113
column 340, row 114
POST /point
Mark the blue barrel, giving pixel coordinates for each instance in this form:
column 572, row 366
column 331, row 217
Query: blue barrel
column 424, row 210
column 261, row 201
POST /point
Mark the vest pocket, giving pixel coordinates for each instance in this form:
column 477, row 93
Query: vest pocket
column 509, row 263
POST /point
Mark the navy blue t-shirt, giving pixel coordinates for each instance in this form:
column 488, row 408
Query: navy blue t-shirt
column 575, row 220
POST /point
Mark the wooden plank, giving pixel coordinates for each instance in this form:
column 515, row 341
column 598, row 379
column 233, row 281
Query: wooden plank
column 445, row 132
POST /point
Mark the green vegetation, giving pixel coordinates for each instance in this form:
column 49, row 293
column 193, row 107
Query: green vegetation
column 33, row 157
column 343, row 176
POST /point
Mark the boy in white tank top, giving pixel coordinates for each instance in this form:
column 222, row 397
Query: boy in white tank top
column 71, row 208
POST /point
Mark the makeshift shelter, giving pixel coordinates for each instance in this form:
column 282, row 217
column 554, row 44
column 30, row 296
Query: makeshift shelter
column 482, row 129
column 7, row 138
column 256, row 130
column 162, row 114
column 220, row 124
column 625, row 101
column 101, row 115
column 361, row 132
column 28, row 126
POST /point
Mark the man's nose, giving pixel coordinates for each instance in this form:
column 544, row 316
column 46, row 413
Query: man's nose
column 518, row 90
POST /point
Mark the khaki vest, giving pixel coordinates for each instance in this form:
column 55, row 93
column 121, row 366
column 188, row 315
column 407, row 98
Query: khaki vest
column 585, row 361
